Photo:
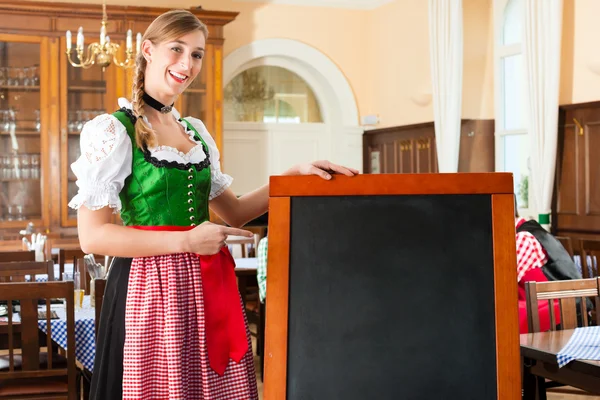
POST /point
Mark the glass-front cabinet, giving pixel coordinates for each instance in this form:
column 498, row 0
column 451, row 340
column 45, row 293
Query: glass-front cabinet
column 23, row 131
column 87, row 93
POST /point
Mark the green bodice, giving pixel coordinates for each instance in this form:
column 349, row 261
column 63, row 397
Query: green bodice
column 161, row 193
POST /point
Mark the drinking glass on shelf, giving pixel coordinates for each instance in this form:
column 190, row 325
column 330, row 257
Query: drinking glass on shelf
column 80, row 121
column 15, row 165
column 12, row 75
column 86, row 116
column 20, row 214
column 24, row 76
column 6, row 123
column 25, row 162
column 12, row 119
column 35, row 166
column 11, row 212
column 34, row 75
column 38, row 124
column 72, row 123
column 7, row 167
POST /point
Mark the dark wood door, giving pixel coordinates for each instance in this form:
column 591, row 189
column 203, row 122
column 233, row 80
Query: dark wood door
column 578, row 170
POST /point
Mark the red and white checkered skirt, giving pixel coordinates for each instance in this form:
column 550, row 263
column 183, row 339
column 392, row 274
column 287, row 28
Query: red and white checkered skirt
column 165, row 354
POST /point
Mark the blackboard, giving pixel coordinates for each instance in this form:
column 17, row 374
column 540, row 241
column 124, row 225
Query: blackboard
column 391, row 297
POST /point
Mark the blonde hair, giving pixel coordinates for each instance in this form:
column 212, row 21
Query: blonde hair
column 168, row 26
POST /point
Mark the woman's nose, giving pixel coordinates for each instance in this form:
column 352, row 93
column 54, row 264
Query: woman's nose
column 185, row 63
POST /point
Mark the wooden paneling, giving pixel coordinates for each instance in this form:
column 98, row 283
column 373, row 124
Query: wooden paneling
column 592, row 170
column 90, row 26
column 568, row 172
column 577, row 182
column 412, row 148
column 24, row 22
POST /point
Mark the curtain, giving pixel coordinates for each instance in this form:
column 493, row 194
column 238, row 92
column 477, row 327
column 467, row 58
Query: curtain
column 446, row 58
column 541, row 51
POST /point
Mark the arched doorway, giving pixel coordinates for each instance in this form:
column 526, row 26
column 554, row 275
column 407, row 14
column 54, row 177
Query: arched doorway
column 285, row 103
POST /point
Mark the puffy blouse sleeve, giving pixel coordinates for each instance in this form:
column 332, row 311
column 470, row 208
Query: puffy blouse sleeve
column 219, row 180
column 104, row 164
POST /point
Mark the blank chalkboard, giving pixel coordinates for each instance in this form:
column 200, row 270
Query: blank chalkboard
column 391, row 297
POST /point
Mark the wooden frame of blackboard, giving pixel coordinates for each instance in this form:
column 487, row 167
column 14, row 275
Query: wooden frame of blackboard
column 498, row 185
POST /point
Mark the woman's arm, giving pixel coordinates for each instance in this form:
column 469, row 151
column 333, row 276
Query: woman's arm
column 237, row 212
column 98, row 235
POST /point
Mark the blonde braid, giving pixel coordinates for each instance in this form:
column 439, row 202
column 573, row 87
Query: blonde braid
column 144, row 135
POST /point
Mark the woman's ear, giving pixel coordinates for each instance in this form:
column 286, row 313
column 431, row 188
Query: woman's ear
column 147, row 49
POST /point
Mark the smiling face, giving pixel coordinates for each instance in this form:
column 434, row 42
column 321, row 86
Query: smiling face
column 172, row 65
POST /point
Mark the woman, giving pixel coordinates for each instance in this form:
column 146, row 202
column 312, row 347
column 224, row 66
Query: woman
column 172, row 324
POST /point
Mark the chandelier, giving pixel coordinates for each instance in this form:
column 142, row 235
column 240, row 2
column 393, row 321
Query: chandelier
column 105, row 52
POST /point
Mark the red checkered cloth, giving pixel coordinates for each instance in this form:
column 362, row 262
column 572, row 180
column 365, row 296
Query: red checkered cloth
column 530, row 253
column 165, row 354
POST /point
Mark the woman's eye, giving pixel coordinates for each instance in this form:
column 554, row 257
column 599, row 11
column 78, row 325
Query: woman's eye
column 176, row 49
column 198, row 56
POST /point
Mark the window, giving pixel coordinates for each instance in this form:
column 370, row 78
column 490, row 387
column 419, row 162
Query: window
column 270, row 94
column 512, row 140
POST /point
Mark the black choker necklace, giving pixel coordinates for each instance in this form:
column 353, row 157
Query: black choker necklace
column 157, row 105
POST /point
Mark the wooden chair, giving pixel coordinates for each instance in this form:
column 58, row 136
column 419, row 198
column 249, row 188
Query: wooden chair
column 66, row 256
column 26, row 377
column 246, row 244
column 16, row 271
column 567, row 244
column 591, row 249
column 566, row 292
column 9, row 256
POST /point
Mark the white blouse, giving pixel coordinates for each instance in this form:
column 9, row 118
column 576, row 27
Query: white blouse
column 106, row 159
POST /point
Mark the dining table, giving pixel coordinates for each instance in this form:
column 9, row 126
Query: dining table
column 85, row 333
column 539, row 353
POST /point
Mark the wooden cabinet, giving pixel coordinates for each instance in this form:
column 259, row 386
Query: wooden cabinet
column 577, row 182
column 401, row 150
column 44, row 101
column 412, row 148
column 24, row 130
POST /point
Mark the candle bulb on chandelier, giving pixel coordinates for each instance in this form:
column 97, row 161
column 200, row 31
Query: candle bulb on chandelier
column 68, row 40
column 107, row 40
column 102, row 35
column 129, row 40
column 80, row 38
column 138, row 43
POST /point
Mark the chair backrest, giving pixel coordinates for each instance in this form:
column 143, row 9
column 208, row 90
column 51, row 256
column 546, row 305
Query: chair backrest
column 590, row 255
column 99, row 288
column 567, row 244
column 16, row 271
column 66, row 256
column 246, row 245
column 566, row 293
column 23, row 335
column 8, row 256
